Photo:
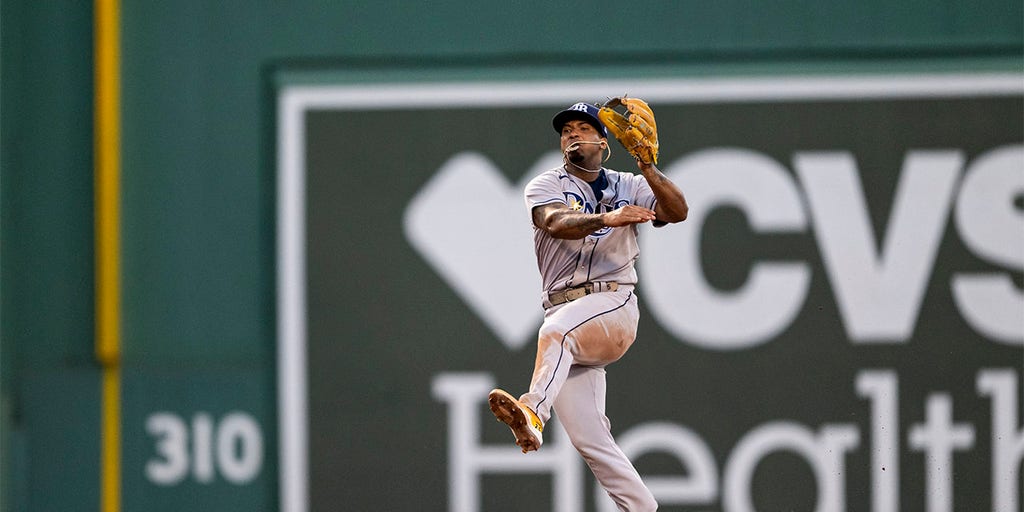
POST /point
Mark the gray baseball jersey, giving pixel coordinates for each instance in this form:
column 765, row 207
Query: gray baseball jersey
column 567, row 263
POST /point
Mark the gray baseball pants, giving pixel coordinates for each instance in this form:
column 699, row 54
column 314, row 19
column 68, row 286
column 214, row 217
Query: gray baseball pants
column 577, row 340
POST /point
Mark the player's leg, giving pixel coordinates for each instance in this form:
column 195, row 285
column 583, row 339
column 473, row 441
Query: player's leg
column 527, row 415
column 581, row 410
column 595, row 330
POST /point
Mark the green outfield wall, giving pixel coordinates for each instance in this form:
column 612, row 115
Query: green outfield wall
column 325, row 259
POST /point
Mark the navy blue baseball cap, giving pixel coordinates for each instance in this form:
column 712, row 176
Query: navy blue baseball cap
column 582, row 111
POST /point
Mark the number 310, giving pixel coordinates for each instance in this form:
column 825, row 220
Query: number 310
column 235, row 444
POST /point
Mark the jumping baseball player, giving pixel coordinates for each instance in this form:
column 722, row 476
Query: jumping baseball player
column 585, row 220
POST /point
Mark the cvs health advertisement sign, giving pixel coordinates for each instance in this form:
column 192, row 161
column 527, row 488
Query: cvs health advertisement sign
column 839, row 325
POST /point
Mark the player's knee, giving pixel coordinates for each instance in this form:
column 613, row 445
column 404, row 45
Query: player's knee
column 552, row 335
column 551, row 331
column 595, row 446
column 588, row 448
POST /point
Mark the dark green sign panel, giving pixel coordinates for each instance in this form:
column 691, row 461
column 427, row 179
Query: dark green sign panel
column 839, row 325
column 197, row 442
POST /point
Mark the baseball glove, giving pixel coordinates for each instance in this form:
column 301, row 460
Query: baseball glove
column 636, row 130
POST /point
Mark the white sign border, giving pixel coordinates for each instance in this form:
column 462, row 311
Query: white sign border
column 293, row 101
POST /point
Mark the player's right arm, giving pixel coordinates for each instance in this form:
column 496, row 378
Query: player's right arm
column 560, row 221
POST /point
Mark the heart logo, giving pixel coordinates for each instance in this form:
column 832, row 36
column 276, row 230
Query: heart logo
column 472, row 227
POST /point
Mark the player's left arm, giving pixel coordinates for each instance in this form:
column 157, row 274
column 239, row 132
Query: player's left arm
column 671, row 205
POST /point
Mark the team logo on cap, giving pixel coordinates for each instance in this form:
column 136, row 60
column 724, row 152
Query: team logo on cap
column 582, row 107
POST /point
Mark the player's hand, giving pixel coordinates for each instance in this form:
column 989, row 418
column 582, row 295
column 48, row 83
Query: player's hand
column 629, row 214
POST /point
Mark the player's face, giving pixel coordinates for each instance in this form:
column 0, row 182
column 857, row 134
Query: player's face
column 577, row 130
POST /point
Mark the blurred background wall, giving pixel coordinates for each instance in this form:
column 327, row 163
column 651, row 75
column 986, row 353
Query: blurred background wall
column 199, row 101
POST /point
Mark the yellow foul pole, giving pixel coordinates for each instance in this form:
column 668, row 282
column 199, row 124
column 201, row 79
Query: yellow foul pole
column 107, row 149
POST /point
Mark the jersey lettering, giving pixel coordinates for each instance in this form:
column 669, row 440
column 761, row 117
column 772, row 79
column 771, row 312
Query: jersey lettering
column 578, row 203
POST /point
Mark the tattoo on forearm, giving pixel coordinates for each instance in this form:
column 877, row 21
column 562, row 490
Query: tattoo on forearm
column 589, row 222
column 573, row 224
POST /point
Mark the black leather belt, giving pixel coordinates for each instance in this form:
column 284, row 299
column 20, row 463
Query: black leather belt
column 571, row 294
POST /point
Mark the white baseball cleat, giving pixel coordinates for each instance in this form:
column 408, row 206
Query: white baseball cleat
column 525, row 424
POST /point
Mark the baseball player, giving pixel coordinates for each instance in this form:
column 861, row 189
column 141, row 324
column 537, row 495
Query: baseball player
column 585, row 220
